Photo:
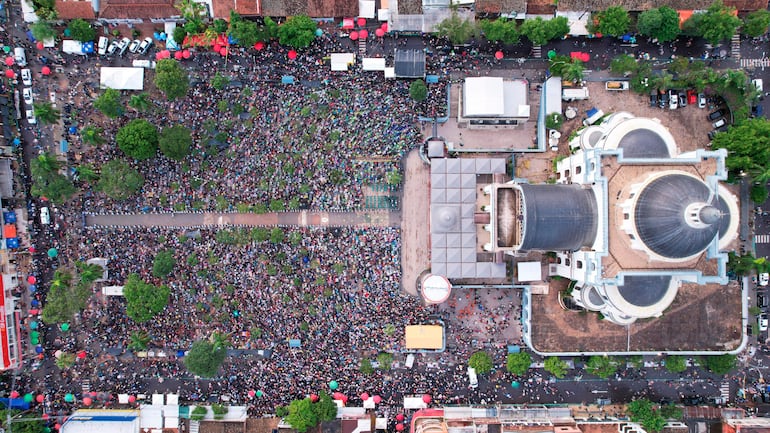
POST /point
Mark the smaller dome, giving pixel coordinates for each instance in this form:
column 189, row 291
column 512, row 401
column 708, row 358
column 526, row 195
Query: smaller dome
column 643, row 143
column 445, row 218
column 710, row 215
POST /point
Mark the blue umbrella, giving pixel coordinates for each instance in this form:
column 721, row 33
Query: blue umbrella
column 32, row 288
column 319, row 32
column 38, row 349
column 33, row 325
column 156, row 35
column 34, row 302
column 179, row 353
column 16, row 141
column 73, row 130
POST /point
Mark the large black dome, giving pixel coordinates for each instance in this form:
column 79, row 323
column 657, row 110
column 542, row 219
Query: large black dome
column 558, row 217
column 644, row 290
column 660, row 216
column 643, row 143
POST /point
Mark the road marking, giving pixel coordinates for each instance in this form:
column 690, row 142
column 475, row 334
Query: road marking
column 762, row 239
column 755, row 63
column 724, row 390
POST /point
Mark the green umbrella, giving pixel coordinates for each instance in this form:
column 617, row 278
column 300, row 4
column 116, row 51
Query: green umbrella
column 34, row 334
column 551, row 54
column 67, row 32
column 515, row 384
column 260, row 393
column 64, row 327
column 319, row 32
column 69, row 398
column 46, row 429
column 333, row 385
column 7, row 49
column 53, row 252
column 28, row 398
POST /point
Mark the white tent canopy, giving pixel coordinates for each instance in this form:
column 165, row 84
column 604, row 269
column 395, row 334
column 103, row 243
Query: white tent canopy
column 341, row 61
column 577, row 21
column 484, row 96
column 122, row 78
column 373, row 64
column 529, row 271
column 366, row 8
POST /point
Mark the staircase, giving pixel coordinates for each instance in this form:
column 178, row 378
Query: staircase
column 195, row 426
column 362, row 47
column 735, row 47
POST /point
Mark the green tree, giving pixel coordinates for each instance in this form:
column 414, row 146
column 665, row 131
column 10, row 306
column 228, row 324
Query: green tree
column 298, row 31
column 109, row 103
column 643, row 412
column 459, row 31
column 385, row 360
column 500, row 30
column 138, row 340
column 556, row 28
column 42, row 30
column 190, row 9
column 220, row 25
column 47, row 181
column 659, row 23
column 365, row 367
column 676, row 363
column 740, row 265
column 276, row 235
column 171, row 79
column 88, row 273
column 219, row 411
column 20, row 425
column 199, row 413
column 418, row 90
column 301, row 415
column 715, row 25
column 175, row 142
column 45, row 113
column 143, row 300
column 614, row 21
column 720, row 364
column 518, row 363
column 163, row 264
column 45, row 164
column 87, row 173
column 602, row 366
column 119, row 180
column 81, row 30
column 64, row 361
column 671, row 412
column 179, row 34
column 92, row 135
column 140, row 102
column 748, row 148
column 219, row 81
column 138, row 139
column 481, row 362
column 63, row 300
column 555, row 366
column 756, row 23
column 325, row 409
column 537, row 30
column 758, row 194
column 247, row 33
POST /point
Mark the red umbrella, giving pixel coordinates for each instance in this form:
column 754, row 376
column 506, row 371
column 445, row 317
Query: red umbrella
column 399, row 427
column 337, row 395
column 39, row 45
column 377, row 399
column 9, row 61
column 82, row 354
column 292, row 55
column 131, row 398
column 10, row 74
column 87, row 401
column 361, row 21
column 400, row 417
column 178, row 55
column 57, row 426
column 158, row 55
column 314, row 397
column 499, row 55
column 252, row 393
column 585, row 57
column 426, row 398
column 384, row 27
column 364, row 396
column 40, row 398
column 31, row 279
column 259, row 46
column 217, row 47
column 45, row 70
column 223, row 51
column 363, row 34
column 45, row 417
column 344, row 399
column 353, row 36
column 166, row 54
column 15, row 394
column 379, row 33
column 186, row 54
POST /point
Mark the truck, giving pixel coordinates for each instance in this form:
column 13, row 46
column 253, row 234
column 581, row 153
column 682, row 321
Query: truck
column 69, row 46
column 574, row 94
column 140, row 63
column 616, row 85
column 592, row 116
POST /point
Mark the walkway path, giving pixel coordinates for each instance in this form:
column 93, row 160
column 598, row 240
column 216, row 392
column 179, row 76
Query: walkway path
column 301, row 218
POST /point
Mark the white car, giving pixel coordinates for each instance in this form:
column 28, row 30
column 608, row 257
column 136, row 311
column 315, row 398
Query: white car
column 701, row 100
column 145, row 45
column 764, row 278
column 45, row 216
column 31, row 117
column 26, row 77
column 52, row 98
column 27, row 93
column 113, row 47
column 102, row 47
column 673, row 100
column 123, row 46
column 134, row 45
column 762, row 321
column 757, row 82
column 719, row 123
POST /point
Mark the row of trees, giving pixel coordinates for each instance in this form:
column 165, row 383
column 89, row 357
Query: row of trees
column 651, row 416
column 305, row 414
column 539, row 31
column 69, row 292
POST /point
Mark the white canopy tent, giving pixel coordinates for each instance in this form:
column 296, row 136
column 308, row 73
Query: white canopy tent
column 341, row 61
column 577, row 21
column 122, row 78
column 366, row 8
column 373, row 64
column 484, row 96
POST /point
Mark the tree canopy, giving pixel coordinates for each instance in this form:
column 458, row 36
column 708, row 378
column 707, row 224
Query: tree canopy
column 42, row 30
column 143, row 300
column 720, row 364
column 81, row 30
column 47, row 181
column 45, row 113
column 175, row 142
column 500, row 30
column 676, row 363
column 756, row 23
column 163, row 264
column 642, row 411
column 418, row 90
column 540, row 31
column 458, row 30
column 614, row 21
column 64, row 299
column 298, row 31
column 171, row 79
column 481, row 362
column 205, row 358
column 748, row 148
column 715, row 25
column 138, row 139
column 301, row 415
column 518, row 363
column 660, row 23
column 555, row 366
column 246, row 32
column 109, row 103
column 602, row 366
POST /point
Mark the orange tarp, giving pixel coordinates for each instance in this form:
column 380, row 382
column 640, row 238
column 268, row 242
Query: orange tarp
column 9, row 231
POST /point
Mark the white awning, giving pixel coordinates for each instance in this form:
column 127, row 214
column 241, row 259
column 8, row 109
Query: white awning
column 373, row 64
column 390, row 72
column 366, row 8
column 577, row 21
column 341, row 61
column 529, row 271
column 122, row 78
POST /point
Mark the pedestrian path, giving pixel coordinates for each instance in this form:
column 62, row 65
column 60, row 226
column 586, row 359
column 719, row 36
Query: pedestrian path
column 362, row 47
column 307, row 218
column 735, row 46
column 762, row 239
column 537, row 52
column 724, row 391
column 85, row 384
column 755, row 63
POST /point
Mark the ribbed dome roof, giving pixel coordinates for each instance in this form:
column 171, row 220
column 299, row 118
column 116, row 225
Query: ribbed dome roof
column 643, row 143
column 660, row 216
column 558, row 217
column 644, row 290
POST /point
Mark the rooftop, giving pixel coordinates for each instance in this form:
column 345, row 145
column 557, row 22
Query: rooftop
column 138, row 9
column 69, row 10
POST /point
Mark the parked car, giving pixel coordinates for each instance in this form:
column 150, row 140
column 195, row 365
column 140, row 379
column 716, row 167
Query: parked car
column 134, row 45
column 654, row 98
column 27, row 94
column 716, row 115
column 663, row 100
column 52, row 98
column 102, row 45
column 682, row 99
column 701, row 100
column 757, row 111
column 719, row 123
column 757, row 82
column 26, row 77
column 764, row 279
column 145, row 45
column 19, row 56
column 673, row 100
column 123, row 46
column 762, row 322
column 31, row 117
column 692, row 98
column 711, row 135
column 761, row 300
column 113, row 47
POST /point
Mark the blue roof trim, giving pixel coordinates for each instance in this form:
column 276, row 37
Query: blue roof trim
column 110, row 418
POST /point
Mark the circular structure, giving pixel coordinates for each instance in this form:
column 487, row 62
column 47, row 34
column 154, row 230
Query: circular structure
column 643, row 143
column 638, row 137
column 674, row 218
column 644, row 290
column 436, row 289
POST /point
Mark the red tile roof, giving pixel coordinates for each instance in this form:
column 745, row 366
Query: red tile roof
column 247, row 8
column 138, row 9
column 284, row 8
column 69, row 10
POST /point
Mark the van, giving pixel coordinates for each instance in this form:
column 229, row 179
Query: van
column 45, row 216
column 19, row 56
column 473, row 378
column 102, row 47
column 616, row 85
column 574, row 94
column 141, row 63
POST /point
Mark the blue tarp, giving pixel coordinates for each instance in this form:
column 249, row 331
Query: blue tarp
column 513, row 348
column 431, row 79
column 294, row 343
column 287, row 79
column 88, row 47
column 592, row 111
column 64, row 146
column 9, row 217
column 12, row 243
column 30, row 37
column 14, row 403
